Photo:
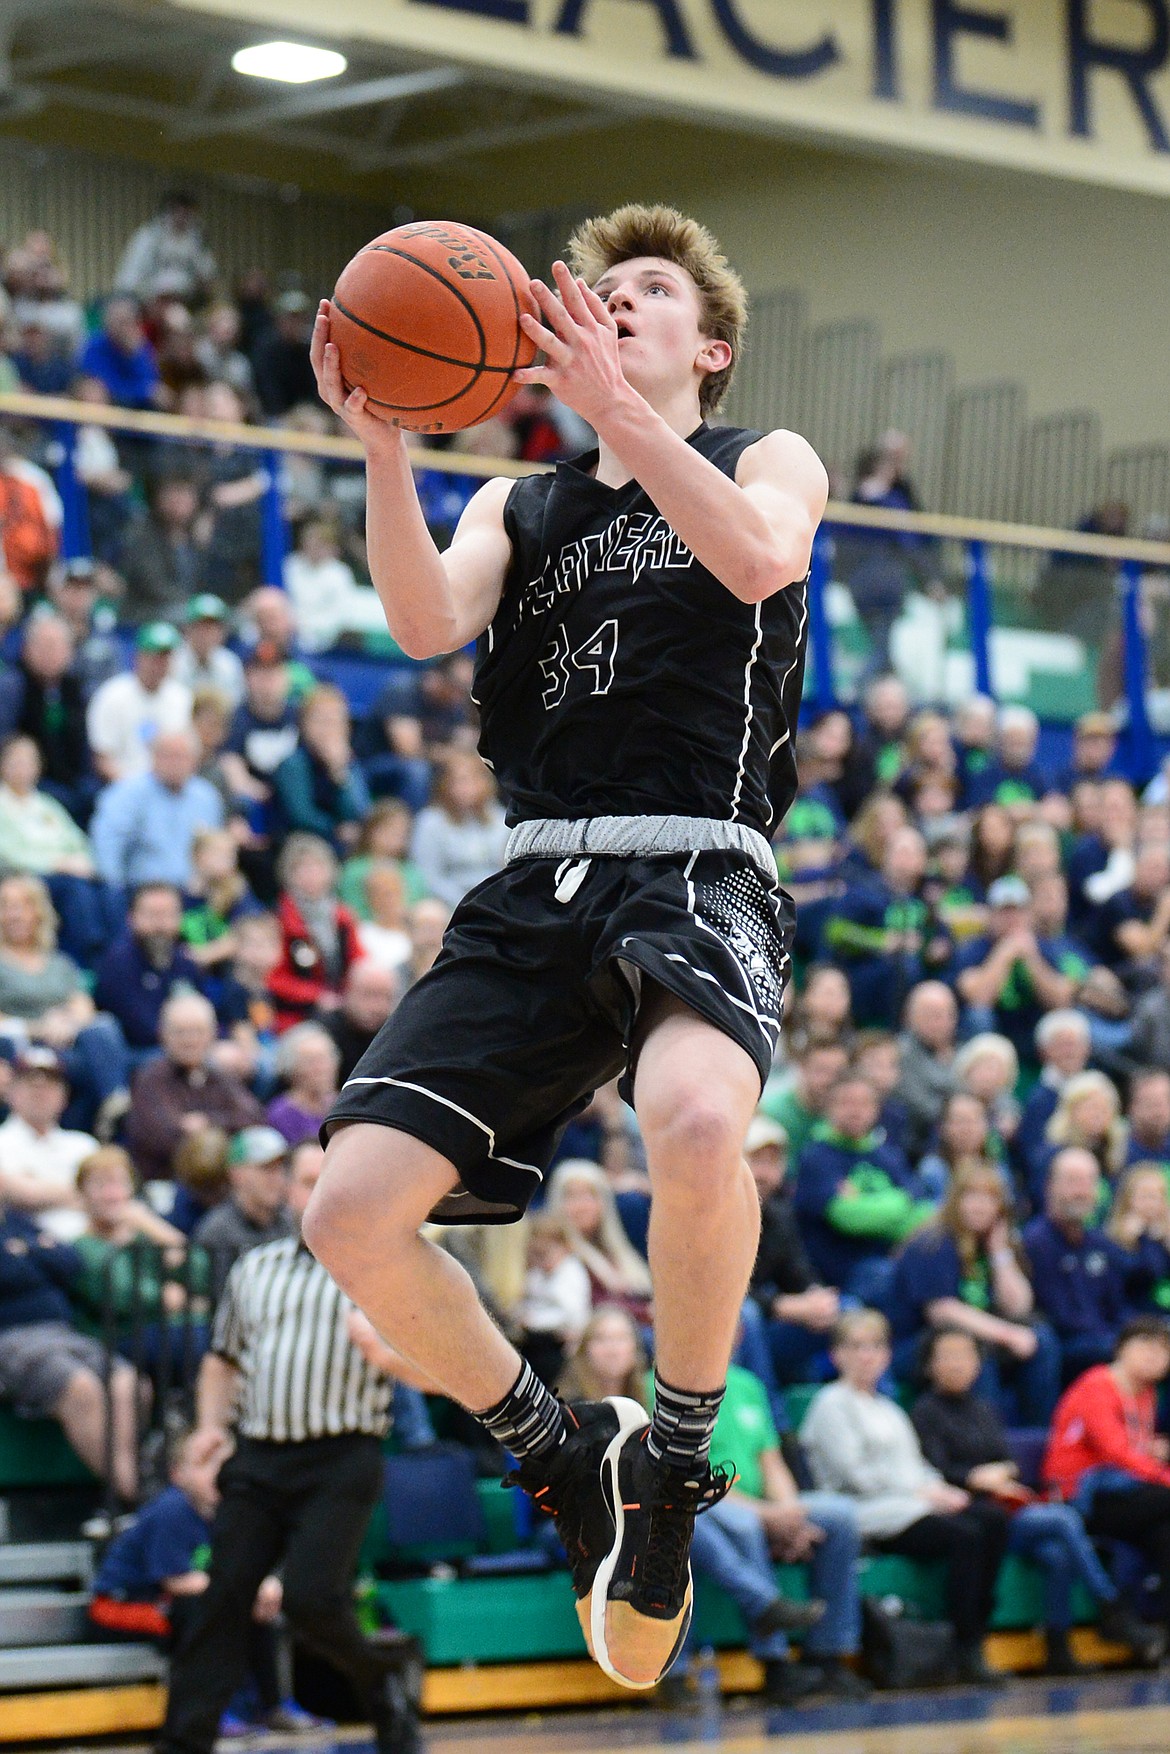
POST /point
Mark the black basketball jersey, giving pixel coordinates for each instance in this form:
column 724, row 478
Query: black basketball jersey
column 619, row 677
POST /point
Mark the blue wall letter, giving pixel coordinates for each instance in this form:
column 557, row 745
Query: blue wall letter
column 1135, row 66
column 781, row 63
column 885, row 56
column 951, row 21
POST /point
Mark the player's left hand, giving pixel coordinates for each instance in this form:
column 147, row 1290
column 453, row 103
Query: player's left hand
column 579, row 340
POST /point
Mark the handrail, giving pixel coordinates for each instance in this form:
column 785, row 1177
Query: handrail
column 263, row 438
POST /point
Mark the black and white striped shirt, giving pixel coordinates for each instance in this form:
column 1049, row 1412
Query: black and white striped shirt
column 282, row 1322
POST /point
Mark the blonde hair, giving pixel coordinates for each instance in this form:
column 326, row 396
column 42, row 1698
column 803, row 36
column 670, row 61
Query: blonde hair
column 636, row 230
column 37, row 893
column 1123, row 1198
column 1063, row 1130
column 861, row 1321
column 612, row 1259
column 105, row 1157
column 578, row 1381
column 948, row 1220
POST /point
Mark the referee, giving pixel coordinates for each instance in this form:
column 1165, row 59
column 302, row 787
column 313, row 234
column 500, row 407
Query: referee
column 300, row 1367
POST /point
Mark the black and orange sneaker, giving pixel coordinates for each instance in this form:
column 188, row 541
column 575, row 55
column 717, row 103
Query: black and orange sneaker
column 566, row 1485
column 642, row 1590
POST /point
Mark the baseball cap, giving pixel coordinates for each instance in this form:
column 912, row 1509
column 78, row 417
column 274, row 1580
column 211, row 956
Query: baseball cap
column 257, row 1145
column 38, row 1058
column 1008, row 892
column 206, row 607
column 762, row 1132
column 157, row 636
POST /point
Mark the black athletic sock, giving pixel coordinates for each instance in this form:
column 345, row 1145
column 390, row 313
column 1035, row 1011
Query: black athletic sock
column 528, row 1421
column 680, row 1431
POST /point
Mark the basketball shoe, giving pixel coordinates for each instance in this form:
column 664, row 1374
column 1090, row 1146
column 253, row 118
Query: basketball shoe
column 642, row 1590
column 566, row 1485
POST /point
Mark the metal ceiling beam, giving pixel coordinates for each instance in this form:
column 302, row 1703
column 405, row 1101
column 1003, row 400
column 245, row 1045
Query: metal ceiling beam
column 481, row 140
column 329, row 100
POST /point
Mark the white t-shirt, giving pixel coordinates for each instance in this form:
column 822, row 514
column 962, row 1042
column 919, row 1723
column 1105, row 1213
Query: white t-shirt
column 51, row 1157
column 124, row 719
column 558, row 1301
column 383, row 945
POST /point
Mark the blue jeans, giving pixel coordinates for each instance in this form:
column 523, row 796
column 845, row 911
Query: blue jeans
column 98, row 1063
column 1053, row 1537
column 731, row 1549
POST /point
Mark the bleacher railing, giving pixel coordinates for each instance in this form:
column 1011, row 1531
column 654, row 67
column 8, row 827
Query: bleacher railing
column 979, row 602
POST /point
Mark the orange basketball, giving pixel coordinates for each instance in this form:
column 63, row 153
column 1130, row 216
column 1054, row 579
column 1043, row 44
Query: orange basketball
column 427, row 322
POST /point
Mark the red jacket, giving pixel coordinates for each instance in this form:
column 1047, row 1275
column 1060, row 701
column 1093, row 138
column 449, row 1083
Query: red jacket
column 300, row 978
column 1096, row 1426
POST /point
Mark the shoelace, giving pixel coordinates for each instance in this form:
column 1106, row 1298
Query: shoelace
column 669, row 1542
column 551, row 1501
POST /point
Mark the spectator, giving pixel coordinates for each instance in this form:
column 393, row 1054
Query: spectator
column 28, row 537
column 766, row 1518
column 108, row 484
column 269, row 616
column 44, row 369
column 135, row 1277
column 218, row 351
column 42, row 697
column 883, row 931
column 121, row 356
column 965, row 1270
column 988, row 1069
column 1103, row 1455
column 554, row 1310
column 1140, row 1224
column 1093, row 752
column 416, row 719
column 319, row 789
column 1016, row 779
column 579, row 1193
column 962, row 1435
column 1087, row 1115
column 162, row 560
column 821, row 1012
column 965, row 1137
column 128, row 712
column 1007, row 980
column 255, row 1210
column 145, row 825
column 385, row 935
column 384, row 840
column 203, row 660
column 245, row 1004
column 145, row 965
column 43, row 998
column 167, row 257
column 860, row 1443
column 236, row 483
column 38, row 1157
column 182, row 1090
column 307, row 1060
column 264, row 729
column 1078, row 1275
column 48, row 1370
column 798, row 1103
column 39, row 283
column 885, row 716
column 460, row 838
column 328, row 600
column 1150, row 1037
column 1062, row 1046
column 883, row 565
column 1134, row 924
column 320, row 936
column 1147, row 1134
column 878, row 1057
column 799, row 1313
column 928, row 1054
column 280, row 361
column 74, row 588
column 428, row 921
column 855, row 1194
column 368, row 995
column 609, row 1359
column 39, row 838
column 1101, row 862
column 218, row 897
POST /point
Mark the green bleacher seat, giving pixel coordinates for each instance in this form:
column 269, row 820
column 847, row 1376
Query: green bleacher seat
column 34, row 1452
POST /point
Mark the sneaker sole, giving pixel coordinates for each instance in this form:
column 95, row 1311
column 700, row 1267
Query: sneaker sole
column 630, row 1417
column 599, row 1602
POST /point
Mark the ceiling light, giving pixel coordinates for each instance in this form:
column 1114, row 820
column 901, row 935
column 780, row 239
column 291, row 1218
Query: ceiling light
column 294, row 63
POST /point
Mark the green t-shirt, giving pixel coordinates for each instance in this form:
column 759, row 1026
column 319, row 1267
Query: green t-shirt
column 743, row 1430
column 784, row 1105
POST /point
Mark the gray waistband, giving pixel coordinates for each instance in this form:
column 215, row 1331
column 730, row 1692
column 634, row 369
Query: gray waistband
column 639, row 837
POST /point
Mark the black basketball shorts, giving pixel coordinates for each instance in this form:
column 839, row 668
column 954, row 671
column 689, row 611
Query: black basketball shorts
column 533, row 1000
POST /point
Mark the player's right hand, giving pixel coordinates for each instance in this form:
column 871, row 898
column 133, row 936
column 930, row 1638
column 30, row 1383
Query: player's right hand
column 349, row 405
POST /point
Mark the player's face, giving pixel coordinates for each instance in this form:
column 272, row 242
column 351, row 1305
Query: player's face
column 656, row 307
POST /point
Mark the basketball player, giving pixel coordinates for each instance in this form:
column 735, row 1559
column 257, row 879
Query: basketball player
column 640, row 623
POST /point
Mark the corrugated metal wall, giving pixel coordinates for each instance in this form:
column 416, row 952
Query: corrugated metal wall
column 92, row 204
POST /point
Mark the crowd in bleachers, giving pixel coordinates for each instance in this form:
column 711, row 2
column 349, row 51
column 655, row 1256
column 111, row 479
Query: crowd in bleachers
column 219, row 877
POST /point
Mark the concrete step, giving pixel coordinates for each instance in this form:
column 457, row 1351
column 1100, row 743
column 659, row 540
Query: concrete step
column 46, row 1562
column 37, row 1617
column 79, row 1665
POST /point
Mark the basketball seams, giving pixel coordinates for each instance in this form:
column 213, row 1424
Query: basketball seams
column 405, row 256
column 413, row 347
column 495, row 250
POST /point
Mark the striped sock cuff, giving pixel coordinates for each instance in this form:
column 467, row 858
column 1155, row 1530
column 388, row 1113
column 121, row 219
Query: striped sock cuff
column 528, row 1421
column 680, row 1431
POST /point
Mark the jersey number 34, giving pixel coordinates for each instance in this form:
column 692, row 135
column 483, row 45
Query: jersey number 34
column 593, row 659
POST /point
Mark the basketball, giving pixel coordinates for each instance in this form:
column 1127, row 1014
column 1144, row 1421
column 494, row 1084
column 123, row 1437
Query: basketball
column 427, row 322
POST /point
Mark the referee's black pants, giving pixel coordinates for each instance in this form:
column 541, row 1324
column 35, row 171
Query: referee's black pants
column 303, row 1507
